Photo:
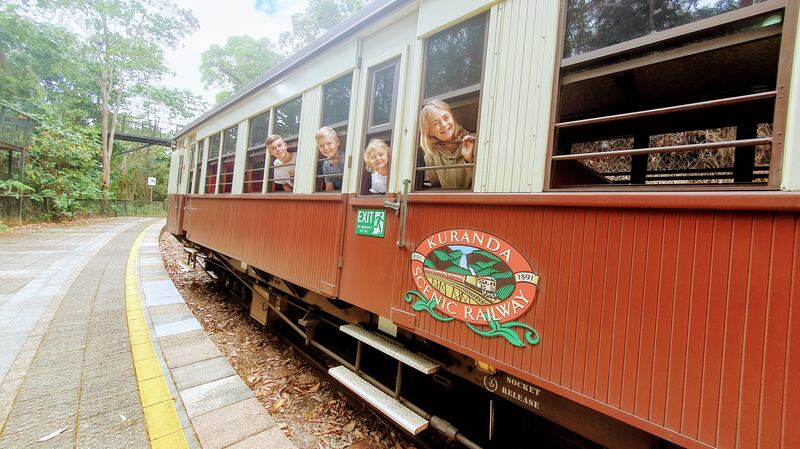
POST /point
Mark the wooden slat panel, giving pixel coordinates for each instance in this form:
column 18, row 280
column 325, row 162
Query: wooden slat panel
column 734, row 331
column 650, row 289
column 266, row 233
column 790, row 436
column 646, row 315
column 777, row 334
column 715, row 328
column 755, row 320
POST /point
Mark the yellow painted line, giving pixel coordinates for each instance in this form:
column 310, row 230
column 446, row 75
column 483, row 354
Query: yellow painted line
column 160, row 416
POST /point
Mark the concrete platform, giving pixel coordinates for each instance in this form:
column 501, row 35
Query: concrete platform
column 100, row 350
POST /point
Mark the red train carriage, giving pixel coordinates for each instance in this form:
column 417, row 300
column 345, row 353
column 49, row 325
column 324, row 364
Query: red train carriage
column 620, row 267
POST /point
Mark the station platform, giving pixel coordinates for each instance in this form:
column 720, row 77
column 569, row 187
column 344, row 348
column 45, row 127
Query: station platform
column 100, row 350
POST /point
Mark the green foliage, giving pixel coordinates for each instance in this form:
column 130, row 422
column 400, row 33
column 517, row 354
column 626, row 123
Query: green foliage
column 504, row 291
column 63, row 159
column 319, row 17
column 457, row 269
column 14, row 188
column 241, row 60
column 130, row 173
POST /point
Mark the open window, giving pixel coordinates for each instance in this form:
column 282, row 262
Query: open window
column 286, row 124
column 256, row 154
column 669, row 94
column 212, row 167
column 453, row 74
column 381, row 110
column 335, row 114
column 228, row 158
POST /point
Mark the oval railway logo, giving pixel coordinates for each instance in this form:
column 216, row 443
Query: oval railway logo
column 473, row 276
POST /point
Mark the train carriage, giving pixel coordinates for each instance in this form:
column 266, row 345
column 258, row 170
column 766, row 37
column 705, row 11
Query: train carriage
column 617, row 264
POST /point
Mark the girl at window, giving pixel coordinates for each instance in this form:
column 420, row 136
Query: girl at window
column 376, row 156
column 445, row 142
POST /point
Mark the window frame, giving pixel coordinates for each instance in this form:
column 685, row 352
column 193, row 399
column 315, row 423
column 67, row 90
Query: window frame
column 369, row 131
column 342, row 129
column 269, row 168
column 216, row 160
column 659, row 47
column 461, row 93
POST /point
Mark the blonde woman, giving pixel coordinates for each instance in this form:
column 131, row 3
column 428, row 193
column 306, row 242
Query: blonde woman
column 445, row 142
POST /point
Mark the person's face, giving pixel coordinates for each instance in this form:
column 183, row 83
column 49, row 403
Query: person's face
column 328, row 146
column 277, row 149
column 442, row 125
column 379, row 159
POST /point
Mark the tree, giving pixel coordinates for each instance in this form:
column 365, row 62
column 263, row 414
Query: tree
column 241, row 60
column 124, row 45
column 319, row 17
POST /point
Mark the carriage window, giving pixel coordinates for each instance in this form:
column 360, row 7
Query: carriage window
column 282, row 163
column 594, row 25
column 190, row 179
column 258, row 130
column 375, row 156
column 618, row 126
column 198, row 157
column 335, row 116
column 256, row 154
column 229, row 137
column 213, row 163
column 453, row 76
column 287, row 119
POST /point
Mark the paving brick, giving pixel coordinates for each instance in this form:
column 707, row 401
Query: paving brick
column 190, row 347
column 213, row 395
column 177, row 327
column 108, row 430
column 201, row 372
column 228, row 425
column 271, row 438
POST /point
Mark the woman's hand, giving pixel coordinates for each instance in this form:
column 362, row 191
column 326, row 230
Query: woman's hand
column 468, row 149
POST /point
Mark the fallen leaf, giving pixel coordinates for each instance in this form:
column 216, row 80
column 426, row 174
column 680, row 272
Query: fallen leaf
column 123, row 418
column 52, row 435
column 350, row 426
column 277, row 405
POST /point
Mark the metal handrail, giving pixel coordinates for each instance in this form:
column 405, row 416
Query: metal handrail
column 668, row 149
column 669, row 109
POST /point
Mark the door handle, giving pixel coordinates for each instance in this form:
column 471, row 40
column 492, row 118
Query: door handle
column 401, row 240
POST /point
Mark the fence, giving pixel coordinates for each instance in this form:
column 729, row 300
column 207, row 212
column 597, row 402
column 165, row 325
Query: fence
column 25, row 209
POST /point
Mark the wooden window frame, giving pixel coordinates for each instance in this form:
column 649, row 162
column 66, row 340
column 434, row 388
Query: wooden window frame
column 419, row 172
column 291, row 143
column 215, row 188
column 371, row 130
column 342, row 129
column 619, row 57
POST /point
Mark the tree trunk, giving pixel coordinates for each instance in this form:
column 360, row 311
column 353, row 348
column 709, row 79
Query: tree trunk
column 104, row 144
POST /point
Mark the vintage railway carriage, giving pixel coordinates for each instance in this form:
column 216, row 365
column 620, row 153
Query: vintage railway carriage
column 625, row 258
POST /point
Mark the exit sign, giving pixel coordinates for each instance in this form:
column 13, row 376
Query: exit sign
column 371, row 222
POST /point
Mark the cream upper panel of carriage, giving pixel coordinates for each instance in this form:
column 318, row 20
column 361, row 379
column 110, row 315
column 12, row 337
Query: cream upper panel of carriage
column 383, row 45
column 314, row 71
column 436, row 15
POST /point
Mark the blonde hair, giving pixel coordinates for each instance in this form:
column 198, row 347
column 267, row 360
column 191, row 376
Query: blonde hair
column 429, row 143
column 272, row 138
column 325, row 131
column 373, row 146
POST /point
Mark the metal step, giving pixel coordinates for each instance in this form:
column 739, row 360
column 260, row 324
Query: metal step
column 387, row 405
column 388, row 346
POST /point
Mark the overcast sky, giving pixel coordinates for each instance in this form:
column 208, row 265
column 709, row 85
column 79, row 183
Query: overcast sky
column 218, row 21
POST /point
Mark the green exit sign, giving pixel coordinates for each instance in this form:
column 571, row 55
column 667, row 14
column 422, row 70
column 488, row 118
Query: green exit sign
column 371, row 222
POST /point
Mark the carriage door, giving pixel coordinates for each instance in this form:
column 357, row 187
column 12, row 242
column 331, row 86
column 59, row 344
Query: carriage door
column 372, row 221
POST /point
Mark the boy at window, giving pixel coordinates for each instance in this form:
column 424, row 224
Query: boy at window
column 328, row 145
column 376, row 156
column 284, row 162
column 445, row 142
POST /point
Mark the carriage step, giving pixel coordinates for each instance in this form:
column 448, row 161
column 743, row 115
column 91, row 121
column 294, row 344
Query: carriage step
column 387, row 405
column 388, row 346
